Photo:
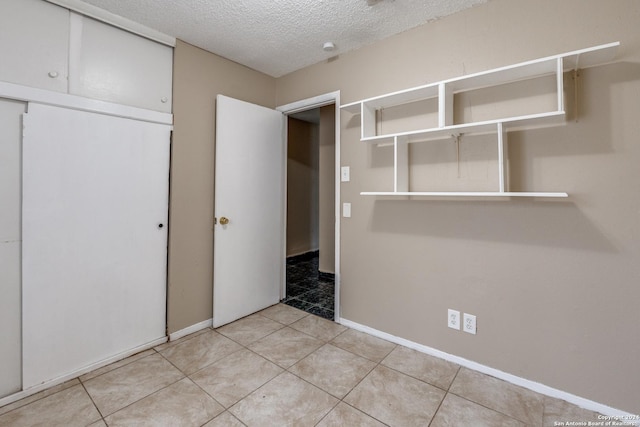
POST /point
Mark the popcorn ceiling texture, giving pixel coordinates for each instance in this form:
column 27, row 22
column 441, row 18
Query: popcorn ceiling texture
column 277, row 37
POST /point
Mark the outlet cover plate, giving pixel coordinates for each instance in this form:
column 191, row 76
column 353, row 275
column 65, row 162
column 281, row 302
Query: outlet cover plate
column 469, row 323
column 453, row 319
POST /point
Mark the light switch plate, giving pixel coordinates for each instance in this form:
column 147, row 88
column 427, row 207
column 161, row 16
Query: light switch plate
column 344, row 174
column 346, row 210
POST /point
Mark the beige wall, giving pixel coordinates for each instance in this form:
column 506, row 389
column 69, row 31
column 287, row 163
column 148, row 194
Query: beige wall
column 327, row 215
column 302, row 186
column 198, row 77
column 553, row 283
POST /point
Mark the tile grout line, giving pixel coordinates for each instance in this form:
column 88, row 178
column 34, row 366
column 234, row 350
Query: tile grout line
column 377, row 364
column 328, row 412
column 184, row 375
column 323, row 342
column 446, row 392
column 364, row 377
column 252, row 391
column 492, row 409
column 224, row 408
column 486, row 407
column 121, row 366
column 340, row 400
column 287, row 370
column 144, row 397
column 93, row 401
column 44, row 396
column 360, row 410
column 246, row 347
column 415, row 378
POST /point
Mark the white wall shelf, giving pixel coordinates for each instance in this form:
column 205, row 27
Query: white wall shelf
column 463, row 194
column 444, row 92
column 474, row 128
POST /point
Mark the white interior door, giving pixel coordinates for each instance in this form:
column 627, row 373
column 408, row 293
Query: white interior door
column 95, row 201
column 248, row 266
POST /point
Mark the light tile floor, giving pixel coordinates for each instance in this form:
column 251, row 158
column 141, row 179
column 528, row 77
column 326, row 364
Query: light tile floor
column 285, row 367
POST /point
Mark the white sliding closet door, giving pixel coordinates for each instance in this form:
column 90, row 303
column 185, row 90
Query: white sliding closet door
column 10, row 317
column 95, row 200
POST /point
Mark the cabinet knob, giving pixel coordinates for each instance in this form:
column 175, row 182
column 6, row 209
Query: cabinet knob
column 53, row 74
column 164, row 99
column 224, row 221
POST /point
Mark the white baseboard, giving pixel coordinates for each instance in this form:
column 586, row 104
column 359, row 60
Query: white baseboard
column 71, row 375
column 522, row 382
column 191, row 329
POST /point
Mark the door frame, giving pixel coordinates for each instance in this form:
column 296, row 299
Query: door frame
column 296, row 107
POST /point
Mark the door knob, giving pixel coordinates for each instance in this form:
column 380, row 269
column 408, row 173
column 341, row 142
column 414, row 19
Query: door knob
column 224, row 220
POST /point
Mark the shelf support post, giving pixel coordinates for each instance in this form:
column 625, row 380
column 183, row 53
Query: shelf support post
column 445, row 105
column 502, row 158
column 401, row 164
column 560, row 83
column 368, row 118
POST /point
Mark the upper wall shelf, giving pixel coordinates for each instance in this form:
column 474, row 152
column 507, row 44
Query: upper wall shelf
column 576, row 59
column 444, row 92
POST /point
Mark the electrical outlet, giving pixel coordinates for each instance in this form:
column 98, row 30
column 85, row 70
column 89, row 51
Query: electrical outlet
column 469, row 323
column 453, row 319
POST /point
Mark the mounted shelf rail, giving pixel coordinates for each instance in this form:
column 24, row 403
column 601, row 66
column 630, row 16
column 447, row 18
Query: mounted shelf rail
column 444, row 92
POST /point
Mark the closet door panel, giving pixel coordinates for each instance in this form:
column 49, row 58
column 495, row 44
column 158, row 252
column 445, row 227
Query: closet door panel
column 117, row 66
column 10, row 199
column 34, row 44
column 94, row 238
column 10, row 167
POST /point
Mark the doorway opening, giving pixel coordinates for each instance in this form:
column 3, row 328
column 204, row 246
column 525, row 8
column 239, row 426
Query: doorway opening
column 310, row 243
column 312, row 280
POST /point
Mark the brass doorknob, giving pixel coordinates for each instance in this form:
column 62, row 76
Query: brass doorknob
column 224, row 220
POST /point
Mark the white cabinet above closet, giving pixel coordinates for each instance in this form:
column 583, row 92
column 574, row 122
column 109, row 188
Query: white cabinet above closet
column 46, row 46
column 113, row 65
column 34, row 44
column 443, row 125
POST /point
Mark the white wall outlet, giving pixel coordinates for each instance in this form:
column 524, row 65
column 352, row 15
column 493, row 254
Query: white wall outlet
column 453, row 319
column 346, row 210
column 344, row 174
column 469, row 323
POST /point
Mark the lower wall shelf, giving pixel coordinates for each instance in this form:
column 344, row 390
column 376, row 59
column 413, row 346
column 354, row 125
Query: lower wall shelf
column 463, row 194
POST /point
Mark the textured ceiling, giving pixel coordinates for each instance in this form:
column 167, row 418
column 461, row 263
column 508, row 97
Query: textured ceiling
column 281, row 36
